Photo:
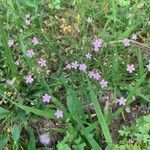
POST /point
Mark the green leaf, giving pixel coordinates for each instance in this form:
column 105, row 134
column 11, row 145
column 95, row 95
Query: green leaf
column 3, row 116
column 74, row 106
column 2, row 110
column 147, row 118
column 31, row 144
column 63, row 146
column 140, row 62
column 131, row 94
column 3, row 141
column 3, row 113
column 16, row 132
column 55, row 4
column 43, row 113
column 123, row 3
column 100, row 116
column 7, row 52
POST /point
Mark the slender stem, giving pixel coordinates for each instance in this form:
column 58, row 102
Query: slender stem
column 138, row 43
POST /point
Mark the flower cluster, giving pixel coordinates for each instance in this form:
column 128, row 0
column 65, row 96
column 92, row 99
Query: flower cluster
column 30, row 53
column 126, row 42
column 95, row 75
column 46, row 98
column 97, row 44
column 76, row 65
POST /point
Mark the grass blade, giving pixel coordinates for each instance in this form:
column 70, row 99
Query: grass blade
column 129, row 98
column 8, row 53
column 42, row 113
column 101, row 118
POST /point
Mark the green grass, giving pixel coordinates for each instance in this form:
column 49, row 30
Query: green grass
column 65, row 36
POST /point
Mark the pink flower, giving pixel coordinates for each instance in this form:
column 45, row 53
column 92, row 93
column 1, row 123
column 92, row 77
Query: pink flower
column 126, row 42
column 103, row 83
column 130, row 68
column 88, row 56
column 74, row 65
column 42, row 62
column 97, row 44
column 121, row 101
column 148, row 67
column 82, row 67
column 45, row 139
column 68, row 66
column 134, row 37
column 59, row 113
column 30, row 53
column 10, row 42
column 35, row 41
column 46, row 98
column 29, row 79
column 95, row 75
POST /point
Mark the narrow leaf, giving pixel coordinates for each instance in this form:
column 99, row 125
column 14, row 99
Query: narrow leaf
column 100, row 116
column 16, row 132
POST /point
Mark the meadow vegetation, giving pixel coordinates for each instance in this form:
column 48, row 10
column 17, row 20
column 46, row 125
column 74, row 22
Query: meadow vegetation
column 74, row 74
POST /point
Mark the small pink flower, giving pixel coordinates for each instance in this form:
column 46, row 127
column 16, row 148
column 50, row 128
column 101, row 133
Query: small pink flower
column 29, row 79
column 82, row 67
column 35, row 41
column 130, row 68
column 103, row 83
column 59, row 113
column 97, row 44
column 95, row 75
column 68, row 66
column 126, row 42
column 148, row 67
column 45, row 139
column 10, row 42
column 42, row 62
column 88, row 56
column 74, row 65
column 30, row 53
column 46, row 98
column 121, row 101
column 134, row 37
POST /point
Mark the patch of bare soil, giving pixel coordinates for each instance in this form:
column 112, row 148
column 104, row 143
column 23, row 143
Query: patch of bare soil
column 137, row 110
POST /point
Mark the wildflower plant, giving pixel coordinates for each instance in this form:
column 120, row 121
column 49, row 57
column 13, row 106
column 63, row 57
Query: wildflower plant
column 69, row 72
